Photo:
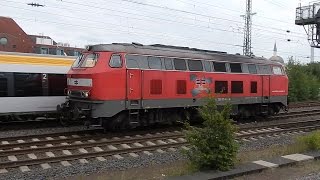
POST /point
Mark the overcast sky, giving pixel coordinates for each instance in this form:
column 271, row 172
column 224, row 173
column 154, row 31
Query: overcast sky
column 207, row 24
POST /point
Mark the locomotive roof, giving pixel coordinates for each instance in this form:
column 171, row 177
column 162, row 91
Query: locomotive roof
column 176, row 51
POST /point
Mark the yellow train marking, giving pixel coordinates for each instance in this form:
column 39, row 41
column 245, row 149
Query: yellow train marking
column 35, row 60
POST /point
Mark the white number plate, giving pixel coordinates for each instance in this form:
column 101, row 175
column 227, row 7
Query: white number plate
column 80, row 82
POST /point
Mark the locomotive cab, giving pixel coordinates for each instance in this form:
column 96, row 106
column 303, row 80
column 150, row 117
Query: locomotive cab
column 94, row 83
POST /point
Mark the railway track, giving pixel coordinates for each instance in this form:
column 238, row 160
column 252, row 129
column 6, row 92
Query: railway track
column 246, row 133
column 305, row 104
column 52, row 122
column 66, row 149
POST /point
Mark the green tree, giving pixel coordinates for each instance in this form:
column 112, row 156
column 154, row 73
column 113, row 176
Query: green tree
column 304, row 81
column 213, row 145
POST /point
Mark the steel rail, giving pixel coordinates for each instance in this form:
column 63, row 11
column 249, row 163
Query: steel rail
column 13, row 164
column 90, row 144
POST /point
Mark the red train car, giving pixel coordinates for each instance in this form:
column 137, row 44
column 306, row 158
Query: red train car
column 122, row 85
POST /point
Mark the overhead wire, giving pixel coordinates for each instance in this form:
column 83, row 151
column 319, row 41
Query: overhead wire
column 193, row 13
column 188, row 12
column 219, row 43
column 209, row 22
column 204, row 28
column 186, row 39
column 233, row 10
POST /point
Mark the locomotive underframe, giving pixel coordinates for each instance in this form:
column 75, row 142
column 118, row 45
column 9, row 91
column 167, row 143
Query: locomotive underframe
column 132, row 113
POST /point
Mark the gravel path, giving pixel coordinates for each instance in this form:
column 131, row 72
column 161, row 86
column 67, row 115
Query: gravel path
column 312, row 176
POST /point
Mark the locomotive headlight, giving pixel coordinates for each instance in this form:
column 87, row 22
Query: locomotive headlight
column 85, row 94
column 68, row 92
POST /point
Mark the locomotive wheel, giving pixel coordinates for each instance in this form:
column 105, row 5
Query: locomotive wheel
column 116, row 123
column 64, row 121
column 272, row 111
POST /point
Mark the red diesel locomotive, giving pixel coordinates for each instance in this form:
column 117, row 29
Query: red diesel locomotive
column 125, row 85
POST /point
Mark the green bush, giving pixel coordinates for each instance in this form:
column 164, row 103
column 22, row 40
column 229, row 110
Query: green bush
column 213, row 145
column 304, row 81
column 310, row 141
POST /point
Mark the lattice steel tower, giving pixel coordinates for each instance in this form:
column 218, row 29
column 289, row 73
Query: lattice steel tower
column 247, row 29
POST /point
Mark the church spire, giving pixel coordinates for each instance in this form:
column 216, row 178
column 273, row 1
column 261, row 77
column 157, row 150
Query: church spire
column 275, row 49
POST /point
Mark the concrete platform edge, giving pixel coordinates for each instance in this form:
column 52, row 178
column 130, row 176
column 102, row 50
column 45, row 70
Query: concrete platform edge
column 253, row 167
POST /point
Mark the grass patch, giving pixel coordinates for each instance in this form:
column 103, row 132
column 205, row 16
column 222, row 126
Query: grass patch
column 183, row 169
column 311, row 141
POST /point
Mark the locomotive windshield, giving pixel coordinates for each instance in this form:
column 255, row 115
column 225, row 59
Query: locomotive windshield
column 85, row 61
column 77, row 62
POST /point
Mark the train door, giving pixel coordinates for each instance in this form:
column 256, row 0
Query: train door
column 134, row 88
column 265, row 89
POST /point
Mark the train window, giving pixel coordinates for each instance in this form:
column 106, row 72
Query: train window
column 90, row 61
column 143, row 62
column 277, row 70
column 132, row 61
column 168, row 64
column 221, row 87
column 207, row 66
column 235, row 68
column 252, row 68
column 181, row 87
column 236, row 87
column 264, row 69
column 219, row 66
column 154, row 62
column 57, row 84
column 156, row 86
column 115, row 61
column 3, row 85
column 28, row 84
column 254, row 87
column 180, row 64
column 195, row 65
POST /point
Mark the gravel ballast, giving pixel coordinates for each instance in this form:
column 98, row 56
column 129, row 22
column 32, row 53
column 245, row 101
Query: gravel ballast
column 94, row 166
column 58, row 171
column 27, row 132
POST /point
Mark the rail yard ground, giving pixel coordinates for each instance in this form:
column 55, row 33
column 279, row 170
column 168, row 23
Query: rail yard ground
column 91, row 156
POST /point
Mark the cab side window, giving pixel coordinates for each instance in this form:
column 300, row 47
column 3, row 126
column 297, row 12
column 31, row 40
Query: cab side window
column 277, row 70
column 115, row 61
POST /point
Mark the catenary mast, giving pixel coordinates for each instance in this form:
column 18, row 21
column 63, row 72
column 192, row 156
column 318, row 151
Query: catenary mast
column 247, row 49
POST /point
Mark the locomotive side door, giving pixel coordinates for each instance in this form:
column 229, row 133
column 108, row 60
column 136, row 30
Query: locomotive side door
column 134, row 88
column 265, row 88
